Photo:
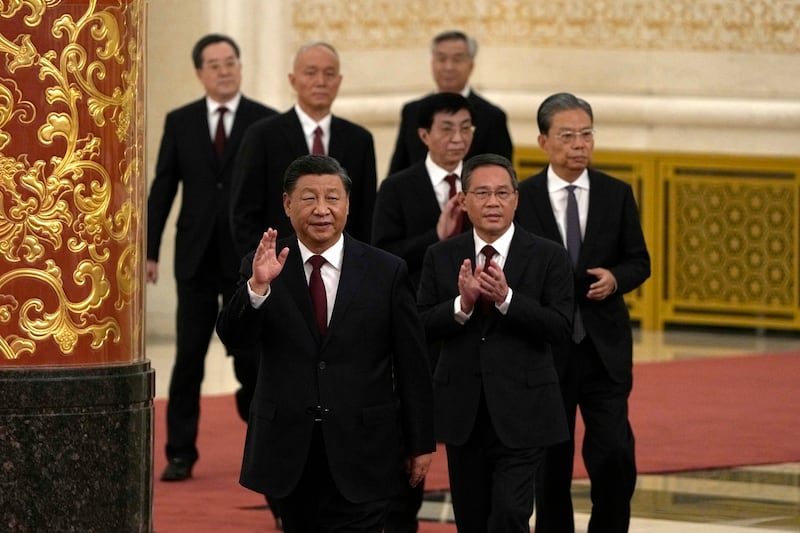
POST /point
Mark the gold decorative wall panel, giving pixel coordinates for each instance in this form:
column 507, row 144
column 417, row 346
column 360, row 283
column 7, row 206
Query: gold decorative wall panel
column 763, row 26
column 71, row 138
column 731, row 241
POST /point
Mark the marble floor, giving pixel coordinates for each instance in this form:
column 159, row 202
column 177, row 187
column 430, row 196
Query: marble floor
column 757, row 499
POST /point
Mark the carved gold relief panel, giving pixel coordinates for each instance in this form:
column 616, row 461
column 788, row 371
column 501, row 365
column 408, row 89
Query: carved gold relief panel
column 71, row 141
column 763, row 26
column 732, row 241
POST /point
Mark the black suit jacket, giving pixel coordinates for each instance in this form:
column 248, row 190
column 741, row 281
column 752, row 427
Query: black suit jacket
column 506, row 356
column 369, row 371
column 187, row 156
column 405, row 217
column 267, row 150
column 491, row 133
column 613, row 239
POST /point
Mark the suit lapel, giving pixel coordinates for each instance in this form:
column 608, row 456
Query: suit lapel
column 519, row 253
column 594, row 218
column 544, row 209
column 338, row 142
column 237, row 131
column 352, row 275
column 421, row 181
column 293, row 131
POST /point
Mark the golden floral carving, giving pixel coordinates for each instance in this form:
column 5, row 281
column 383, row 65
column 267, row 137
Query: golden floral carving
column 76, row 203
column 755, row 26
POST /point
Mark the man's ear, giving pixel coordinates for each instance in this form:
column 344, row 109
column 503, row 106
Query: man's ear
column 287, row 203
column 423, row 135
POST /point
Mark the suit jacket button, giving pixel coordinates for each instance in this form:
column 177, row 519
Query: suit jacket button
column 321, row 365
column 219, row 185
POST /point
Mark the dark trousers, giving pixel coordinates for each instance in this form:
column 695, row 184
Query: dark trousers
column 198, row 307
column 491, row 484
column 403, row 509
column 608, row 450
column 316, row 505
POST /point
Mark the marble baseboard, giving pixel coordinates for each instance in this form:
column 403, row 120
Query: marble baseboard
column 76, row 449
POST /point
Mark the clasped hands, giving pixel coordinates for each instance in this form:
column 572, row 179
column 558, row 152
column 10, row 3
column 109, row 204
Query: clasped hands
column 487, row 281
column 267, row 264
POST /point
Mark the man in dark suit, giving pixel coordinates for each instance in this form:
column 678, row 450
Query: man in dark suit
column 197, row 151
column 417, row 207
column 309, row 127
column 496, row 398
column 342, row 414
column 452, row 60
column 600, row 227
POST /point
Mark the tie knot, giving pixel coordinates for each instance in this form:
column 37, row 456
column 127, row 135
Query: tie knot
column 488, row 252
column 571, row 188
column 451, row 180
column 316, row 261
column 318, row 131
column 222, row 110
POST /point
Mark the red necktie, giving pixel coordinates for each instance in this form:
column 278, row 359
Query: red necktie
column 488, row 253
column 317, row 148
column 219, row 136
column 451, row 180
column 317, row 289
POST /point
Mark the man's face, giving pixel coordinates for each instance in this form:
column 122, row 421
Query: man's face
column 221, row 71
column 490, row 201
column 316, row 80
column 451, row 65
column 569, row 143
column 449, row 138
column 317, row 208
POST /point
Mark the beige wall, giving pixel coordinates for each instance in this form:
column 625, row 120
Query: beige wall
column 702, row 76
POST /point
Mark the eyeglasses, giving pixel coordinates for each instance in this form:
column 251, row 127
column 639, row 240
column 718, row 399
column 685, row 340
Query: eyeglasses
column 449, row 131
column 502, row 195
column 569, row 136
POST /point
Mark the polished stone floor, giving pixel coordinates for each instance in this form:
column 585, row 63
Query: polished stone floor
column 757, row 499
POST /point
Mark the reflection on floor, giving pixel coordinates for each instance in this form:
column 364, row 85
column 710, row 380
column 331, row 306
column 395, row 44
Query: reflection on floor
column 757, row 499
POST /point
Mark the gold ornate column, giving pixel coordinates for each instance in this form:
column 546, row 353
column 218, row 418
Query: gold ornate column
column 75, row 391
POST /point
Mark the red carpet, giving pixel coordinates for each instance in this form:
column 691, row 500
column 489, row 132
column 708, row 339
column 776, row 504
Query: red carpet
column 687, row 415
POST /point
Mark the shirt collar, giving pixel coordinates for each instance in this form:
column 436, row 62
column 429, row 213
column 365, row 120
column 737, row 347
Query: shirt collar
column 437, row 173
column 333, row 255
column 500, row 245
column 309, row 124
column 556, row 182
column 231, row 105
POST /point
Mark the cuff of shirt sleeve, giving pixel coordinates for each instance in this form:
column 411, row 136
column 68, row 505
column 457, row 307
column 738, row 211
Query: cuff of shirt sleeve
column 460, row 316
column 257, row 300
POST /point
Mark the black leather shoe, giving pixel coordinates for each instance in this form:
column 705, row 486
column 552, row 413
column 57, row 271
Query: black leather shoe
column 177, row 469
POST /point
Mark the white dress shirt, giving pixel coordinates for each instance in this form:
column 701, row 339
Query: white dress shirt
column 213, row 116
column 309, row 125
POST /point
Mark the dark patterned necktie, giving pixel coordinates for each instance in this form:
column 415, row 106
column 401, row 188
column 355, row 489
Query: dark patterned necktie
column 573, row 226
column 451, row 181
column 219, row 136
column 317, row 148
column 488, row 253
column 317, row 290
column 574, row 248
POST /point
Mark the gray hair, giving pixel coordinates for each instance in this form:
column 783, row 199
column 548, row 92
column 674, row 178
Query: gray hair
column 556, row 103
column 457, row 35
